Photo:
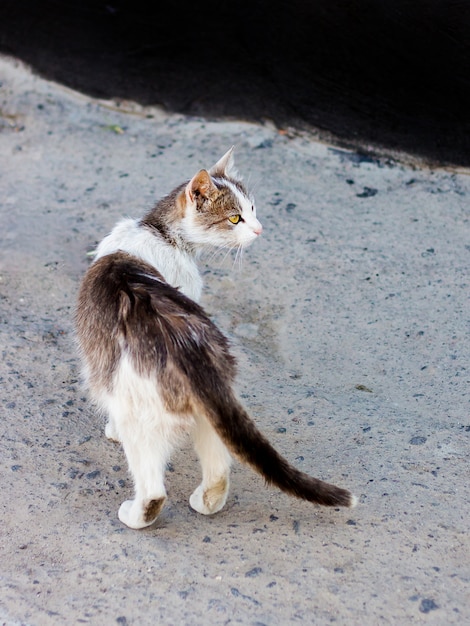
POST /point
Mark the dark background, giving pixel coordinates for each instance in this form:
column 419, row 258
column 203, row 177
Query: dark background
column 392, row 73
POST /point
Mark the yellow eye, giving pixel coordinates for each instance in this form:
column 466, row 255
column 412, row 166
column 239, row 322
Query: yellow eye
column 234, row 219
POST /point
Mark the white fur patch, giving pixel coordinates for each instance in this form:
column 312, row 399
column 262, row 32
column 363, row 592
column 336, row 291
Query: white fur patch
column 239, row 236
column 148, row 433
column 251, row 227
column 177, row 267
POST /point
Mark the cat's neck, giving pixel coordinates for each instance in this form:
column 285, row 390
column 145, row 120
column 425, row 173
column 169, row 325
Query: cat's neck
column 175, row 263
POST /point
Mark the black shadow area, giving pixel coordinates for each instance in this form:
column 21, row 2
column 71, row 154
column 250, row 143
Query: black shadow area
column 394, row 73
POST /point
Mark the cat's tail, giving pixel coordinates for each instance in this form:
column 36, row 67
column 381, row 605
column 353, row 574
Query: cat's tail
column 193, row 353
column 239, row 433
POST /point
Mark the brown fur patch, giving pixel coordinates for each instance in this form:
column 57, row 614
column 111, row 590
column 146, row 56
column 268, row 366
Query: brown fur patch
column 201, row 184
column 153, row 508
column 215, row 202
column 215, row 493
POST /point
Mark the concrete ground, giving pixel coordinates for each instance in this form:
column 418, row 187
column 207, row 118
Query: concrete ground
column 350, row 320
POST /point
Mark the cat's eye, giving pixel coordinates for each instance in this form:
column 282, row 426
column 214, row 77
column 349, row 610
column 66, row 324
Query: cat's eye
column 234, row 219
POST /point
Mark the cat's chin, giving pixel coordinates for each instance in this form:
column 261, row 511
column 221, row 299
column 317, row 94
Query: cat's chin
column 249, row 240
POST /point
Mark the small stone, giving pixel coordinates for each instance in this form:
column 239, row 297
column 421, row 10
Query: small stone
column 427, row 605
column 282, row 430
column 418, row 441
column 267, row 143
column 429, row 252
column 253, row 572
column 367, row 192
column 363, row 388
column 61, row 486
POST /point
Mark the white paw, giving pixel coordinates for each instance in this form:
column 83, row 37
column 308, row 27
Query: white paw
column 132, row 517
column 197, row 502
column 207, row 502
column 111, row 432
column 137, row 514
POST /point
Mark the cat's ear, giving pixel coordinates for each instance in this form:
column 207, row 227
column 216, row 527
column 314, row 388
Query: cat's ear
column 225, row 165
column 200, row 185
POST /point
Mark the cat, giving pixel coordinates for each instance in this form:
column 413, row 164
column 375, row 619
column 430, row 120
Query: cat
column 156, row 364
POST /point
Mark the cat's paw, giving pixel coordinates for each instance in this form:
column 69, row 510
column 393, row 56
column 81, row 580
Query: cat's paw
column 196, row 501
column 138, row 514
column 111, row 432
column 209, row 501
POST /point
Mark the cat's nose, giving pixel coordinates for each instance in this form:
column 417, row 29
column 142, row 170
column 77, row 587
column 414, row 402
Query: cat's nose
column 258, row 229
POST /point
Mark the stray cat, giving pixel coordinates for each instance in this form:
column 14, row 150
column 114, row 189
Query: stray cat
column 158, row 366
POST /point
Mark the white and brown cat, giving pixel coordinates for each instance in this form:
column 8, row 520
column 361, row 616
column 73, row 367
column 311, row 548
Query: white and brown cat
column 156, row 364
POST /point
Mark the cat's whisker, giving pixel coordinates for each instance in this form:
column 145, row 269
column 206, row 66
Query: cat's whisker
column 210, row 254
column 227, row 253
column 208, row 257
column 219, row 251
column 237, row 262
column 254, row 186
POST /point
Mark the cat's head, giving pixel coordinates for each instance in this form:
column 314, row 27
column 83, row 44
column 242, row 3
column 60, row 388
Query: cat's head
column 218, row 210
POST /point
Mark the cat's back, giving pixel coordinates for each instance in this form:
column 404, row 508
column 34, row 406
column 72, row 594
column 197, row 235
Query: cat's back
column 118, row 288
column 125, row 307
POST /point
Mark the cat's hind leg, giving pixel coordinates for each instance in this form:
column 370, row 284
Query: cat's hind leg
column 147, row 457
column 147, row 436
column 211, row 495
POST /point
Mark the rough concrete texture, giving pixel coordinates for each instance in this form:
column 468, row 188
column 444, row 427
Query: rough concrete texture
column 350, row 320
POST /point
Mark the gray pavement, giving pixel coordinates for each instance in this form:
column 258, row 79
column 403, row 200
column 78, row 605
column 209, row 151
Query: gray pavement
column 350, row 319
